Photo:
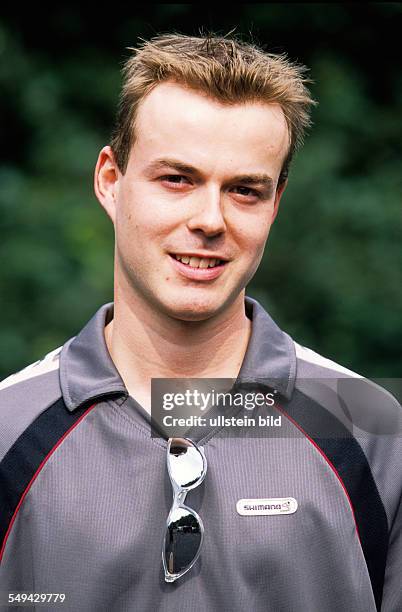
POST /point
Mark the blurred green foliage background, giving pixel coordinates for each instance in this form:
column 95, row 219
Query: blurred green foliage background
column 332, row 272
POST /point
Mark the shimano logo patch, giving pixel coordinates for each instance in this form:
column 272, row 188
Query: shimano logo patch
column 255, row 507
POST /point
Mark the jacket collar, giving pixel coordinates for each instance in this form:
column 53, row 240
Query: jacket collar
column 87, row 371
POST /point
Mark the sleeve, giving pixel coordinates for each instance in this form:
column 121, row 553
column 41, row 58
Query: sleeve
column 392, row 593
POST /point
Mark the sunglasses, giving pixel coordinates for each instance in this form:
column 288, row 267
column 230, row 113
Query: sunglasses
column 187, row 467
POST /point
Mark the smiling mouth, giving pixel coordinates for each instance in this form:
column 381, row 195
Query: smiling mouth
column 198, row 262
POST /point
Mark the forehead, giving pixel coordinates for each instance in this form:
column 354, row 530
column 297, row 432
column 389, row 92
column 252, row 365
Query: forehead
column 173, row 119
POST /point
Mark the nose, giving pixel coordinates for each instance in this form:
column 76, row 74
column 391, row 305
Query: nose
column 207, row 215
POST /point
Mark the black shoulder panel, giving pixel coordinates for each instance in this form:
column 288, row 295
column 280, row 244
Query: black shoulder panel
column 345, row 454
column 29, row 453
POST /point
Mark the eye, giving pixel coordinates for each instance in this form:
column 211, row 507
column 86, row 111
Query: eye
column 247, row 191
column 174, row 180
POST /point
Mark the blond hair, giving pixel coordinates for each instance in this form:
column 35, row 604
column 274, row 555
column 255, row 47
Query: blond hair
column 227, row 69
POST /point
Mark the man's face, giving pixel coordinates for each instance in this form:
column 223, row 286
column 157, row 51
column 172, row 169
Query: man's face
column 200, row 184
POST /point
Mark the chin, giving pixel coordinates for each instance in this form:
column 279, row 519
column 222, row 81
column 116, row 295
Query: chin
column 191, row 311
column 192, row 316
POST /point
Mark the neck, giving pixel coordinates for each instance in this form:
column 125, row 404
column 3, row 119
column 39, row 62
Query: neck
column 146, row 344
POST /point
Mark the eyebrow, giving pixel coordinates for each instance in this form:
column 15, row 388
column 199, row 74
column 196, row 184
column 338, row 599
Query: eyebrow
column 249, row 179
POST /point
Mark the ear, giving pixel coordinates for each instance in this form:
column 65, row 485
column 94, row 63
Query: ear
column 279, row 191
column 106, row 181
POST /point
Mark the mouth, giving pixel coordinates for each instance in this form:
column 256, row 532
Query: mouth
column 201, row 263
column 198, row 268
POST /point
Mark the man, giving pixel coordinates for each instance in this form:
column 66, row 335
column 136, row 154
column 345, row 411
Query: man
column 192, row 181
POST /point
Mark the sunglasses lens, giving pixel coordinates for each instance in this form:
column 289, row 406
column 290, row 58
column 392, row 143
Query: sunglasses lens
column 182, row 541
column 186, row 463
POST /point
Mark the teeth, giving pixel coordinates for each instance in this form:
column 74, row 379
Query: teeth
column 198, row 262
column 195, row 262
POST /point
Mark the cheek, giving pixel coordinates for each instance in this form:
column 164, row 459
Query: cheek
column 137, row 217
column 252, row 237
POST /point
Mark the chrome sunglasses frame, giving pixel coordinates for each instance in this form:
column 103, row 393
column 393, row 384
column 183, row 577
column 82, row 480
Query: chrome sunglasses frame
column 179, row 496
